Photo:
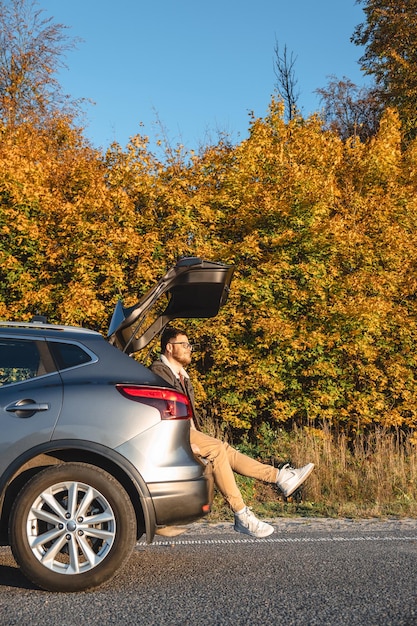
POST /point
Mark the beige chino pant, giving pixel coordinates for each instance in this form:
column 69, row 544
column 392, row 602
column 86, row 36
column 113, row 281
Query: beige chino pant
column 225, row 461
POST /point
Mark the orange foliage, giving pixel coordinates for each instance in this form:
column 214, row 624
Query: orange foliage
column 321, row 319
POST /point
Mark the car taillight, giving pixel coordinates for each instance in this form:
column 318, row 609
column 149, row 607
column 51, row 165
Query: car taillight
column 171, row 404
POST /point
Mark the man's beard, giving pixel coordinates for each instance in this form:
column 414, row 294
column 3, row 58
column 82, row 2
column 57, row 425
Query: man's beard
column 184, row 361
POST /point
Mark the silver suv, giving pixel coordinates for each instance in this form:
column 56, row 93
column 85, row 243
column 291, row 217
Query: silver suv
column 95, row 448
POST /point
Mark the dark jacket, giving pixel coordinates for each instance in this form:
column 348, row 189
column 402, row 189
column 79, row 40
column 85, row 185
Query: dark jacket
column 165, row 372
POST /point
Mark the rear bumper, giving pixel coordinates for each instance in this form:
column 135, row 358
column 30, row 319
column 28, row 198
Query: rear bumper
column 181, row 502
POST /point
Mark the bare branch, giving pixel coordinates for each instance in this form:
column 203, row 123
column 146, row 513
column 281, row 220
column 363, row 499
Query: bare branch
column 286, row 82
column 31, row 52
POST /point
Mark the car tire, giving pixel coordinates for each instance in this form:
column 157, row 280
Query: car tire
column 71, row 527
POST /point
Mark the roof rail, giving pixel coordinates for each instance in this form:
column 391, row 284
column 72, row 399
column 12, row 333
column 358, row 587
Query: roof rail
column 42, row 326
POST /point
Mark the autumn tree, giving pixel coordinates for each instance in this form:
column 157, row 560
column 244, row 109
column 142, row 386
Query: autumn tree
column 320, row 324
column 320, row 321
column 389, row 35
column 31, row 52
column 68, row 242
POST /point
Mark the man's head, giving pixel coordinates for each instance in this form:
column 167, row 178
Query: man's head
column 176, row 347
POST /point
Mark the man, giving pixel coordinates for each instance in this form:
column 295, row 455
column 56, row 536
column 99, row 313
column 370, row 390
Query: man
column 175, row 356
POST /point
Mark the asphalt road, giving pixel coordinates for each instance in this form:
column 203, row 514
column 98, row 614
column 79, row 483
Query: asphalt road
column 324, row 572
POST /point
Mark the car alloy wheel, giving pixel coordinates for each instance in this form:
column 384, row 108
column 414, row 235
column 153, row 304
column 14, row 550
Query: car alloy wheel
column 71, row 527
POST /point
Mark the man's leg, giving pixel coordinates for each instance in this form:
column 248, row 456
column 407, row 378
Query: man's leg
column 214, row 450
column 287, row 479
column 245, row 465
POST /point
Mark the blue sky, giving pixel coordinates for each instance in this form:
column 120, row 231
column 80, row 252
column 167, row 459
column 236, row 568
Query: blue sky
column 196, row 69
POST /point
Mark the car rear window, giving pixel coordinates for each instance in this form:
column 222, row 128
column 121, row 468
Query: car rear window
column 68, row 355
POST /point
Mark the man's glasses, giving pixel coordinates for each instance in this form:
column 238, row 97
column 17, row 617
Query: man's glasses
column 187, row 346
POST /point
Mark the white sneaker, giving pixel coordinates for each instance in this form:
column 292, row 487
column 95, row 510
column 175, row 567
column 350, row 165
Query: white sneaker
column 247, row 523
column 289, row 479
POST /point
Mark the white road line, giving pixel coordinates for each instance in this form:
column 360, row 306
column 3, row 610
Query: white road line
column 330, row 539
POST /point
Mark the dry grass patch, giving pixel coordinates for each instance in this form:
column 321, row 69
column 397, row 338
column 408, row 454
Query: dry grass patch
column 369, row 475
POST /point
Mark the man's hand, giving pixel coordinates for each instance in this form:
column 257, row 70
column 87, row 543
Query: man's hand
column 195, row 449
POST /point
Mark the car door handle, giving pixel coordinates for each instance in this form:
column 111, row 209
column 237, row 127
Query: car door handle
column 26, row 407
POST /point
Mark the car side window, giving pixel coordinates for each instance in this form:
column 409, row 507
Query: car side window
column 68, row 355
column 22, row 360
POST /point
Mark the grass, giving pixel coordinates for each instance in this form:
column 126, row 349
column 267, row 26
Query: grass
column 369, row 475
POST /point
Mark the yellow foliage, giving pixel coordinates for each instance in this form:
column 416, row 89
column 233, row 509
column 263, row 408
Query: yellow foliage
column 320, row 323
